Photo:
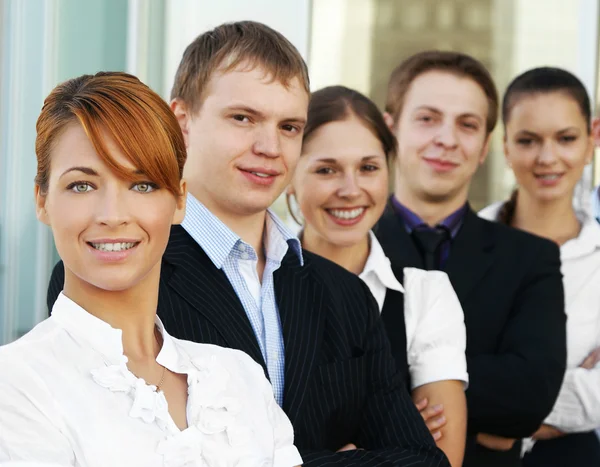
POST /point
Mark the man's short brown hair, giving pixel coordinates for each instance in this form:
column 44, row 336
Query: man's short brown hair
column 434, row 60
column 230, row 45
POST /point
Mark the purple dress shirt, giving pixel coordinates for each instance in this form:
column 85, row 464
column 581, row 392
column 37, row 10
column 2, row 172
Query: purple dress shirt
column 452, row 224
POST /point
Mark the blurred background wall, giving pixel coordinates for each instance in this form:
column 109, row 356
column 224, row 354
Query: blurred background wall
column 352, row 42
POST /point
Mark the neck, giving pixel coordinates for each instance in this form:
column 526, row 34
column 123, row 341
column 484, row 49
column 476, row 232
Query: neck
column 249, row 227
column 432, row 212
column 132, row 310
column 352, row 257
column 555, row 220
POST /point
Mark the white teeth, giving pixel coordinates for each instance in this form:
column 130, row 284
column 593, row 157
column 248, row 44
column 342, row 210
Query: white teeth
column 549, row 176
column 113, row 246
column 346, row 214
column 260, row 174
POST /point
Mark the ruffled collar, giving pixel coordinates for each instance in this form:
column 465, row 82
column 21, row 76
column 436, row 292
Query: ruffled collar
column 212, row 408
column 102, row 337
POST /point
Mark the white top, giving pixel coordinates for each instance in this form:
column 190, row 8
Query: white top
column 577, row 408
column 595, row 202
column 68, row 399
column 434, row 319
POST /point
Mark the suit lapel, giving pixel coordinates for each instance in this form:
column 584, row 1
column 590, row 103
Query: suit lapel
column 471, row 254
column 208, row 290
column 397, row 243
column 300, row 300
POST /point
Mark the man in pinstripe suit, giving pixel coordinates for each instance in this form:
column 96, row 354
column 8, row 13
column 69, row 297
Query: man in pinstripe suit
column 234, row 276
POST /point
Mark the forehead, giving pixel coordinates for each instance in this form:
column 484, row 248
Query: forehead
column 73, row 148
column 254, row 87
column 545, row 111
column 448, row 93
column 343, row 139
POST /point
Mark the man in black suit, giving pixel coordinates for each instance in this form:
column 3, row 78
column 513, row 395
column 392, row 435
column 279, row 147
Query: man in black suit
column 233, row 276
column 442, row 106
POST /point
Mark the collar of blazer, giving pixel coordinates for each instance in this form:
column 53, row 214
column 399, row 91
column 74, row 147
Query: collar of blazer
column 301, row 301
column 470, row 258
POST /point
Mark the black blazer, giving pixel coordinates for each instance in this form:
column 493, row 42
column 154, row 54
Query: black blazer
column 510, row 287
column 341, row 385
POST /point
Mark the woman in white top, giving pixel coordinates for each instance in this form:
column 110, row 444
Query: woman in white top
column 341, row 187
column 101, row 383
column 547, row 142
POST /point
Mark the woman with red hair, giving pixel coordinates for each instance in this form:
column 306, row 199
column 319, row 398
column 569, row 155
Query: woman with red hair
column 101, row 382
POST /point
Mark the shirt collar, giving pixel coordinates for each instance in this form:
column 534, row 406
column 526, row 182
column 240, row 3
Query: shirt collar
column 412, row 220
column 586, row 242
column 91, row 331
column 217, row 240
column 379, row 265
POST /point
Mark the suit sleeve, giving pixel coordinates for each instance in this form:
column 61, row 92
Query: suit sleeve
column 512, row 391
column 55, row 287
column 392, row 432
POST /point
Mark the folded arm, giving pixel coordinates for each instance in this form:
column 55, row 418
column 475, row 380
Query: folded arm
column 512, row 391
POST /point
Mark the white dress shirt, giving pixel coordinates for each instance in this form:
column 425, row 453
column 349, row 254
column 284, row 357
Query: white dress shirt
column 595, row 203
column 434, row 319
column 577, row 408
column 68, row 399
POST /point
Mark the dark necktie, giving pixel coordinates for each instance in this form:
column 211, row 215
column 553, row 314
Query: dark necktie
column 429, row 241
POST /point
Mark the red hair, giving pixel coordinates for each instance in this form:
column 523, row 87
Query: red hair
column 135, row 117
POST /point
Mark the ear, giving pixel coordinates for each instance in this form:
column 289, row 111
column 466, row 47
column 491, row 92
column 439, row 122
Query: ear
column 389, row 120
column 183, row 117
column 40, row 205
column 485, row 150
column 596, row 131
column 179, row 214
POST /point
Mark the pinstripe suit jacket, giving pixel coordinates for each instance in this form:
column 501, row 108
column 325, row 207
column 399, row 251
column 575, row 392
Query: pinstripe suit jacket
column 341, row 385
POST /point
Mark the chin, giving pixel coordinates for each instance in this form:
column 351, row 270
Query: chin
column 116, row 282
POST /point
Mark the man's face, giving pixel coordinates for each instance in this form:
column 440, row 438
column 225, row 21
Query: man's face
column 442, row 137
column 244, row 141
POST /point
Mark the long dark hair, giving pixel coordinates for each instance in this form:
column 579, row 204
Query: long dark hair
column 544, row 80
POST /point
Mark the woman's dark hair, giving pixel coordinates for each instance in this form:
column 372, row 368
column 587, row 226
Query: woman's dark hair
column 544, row 80
column 338, row 103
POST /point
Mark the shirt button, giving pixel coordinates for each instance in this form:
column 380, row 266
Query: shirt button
column 245, row 255
column 242, row 247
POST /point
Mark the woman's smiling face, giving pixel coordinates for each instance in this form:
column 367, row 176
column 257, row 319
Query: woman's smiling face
column 110, row 232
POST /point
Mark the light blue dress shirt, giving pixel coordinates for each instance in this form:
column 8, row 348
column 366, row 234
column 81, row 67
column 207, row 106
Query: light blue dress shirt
column 230, row 253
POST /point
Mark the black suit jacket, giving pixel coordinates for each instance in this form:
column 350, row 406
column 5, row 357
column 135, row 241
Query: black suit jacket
column 341, row 385
column 510, row 287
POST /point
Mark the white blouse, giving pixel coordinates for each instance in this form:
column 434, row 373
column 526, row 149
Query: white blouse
column 434, row 319
column 577, row 408
column 67, row 398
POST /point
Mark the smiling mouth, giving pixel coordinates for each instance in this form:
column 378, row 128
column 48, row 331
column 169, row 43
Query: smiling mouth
column 346, row 214
column 113, row 246
column 549, row 177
